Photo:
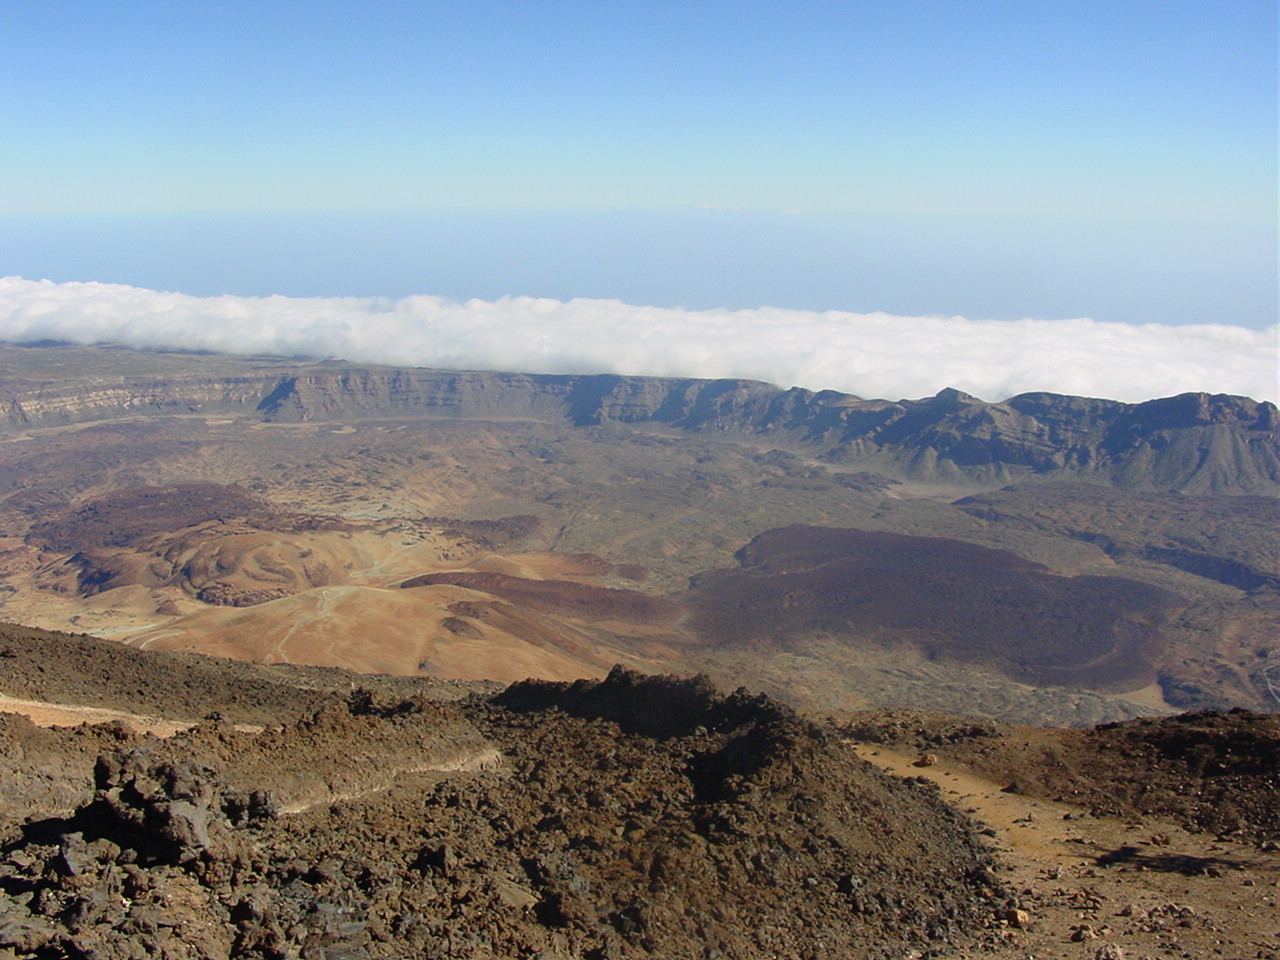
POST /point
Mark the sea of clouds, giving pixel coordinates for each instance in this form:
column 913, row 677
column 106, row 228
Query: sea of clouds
column 866, row 354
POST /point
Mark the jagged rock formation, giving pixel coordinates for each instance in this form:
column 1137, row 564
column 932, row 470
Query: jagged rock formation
column 1193, row 443
column 636, row 817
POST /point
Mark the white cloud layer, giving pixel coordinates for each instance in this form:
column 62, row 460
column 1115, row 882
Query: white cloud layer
column 867, row 354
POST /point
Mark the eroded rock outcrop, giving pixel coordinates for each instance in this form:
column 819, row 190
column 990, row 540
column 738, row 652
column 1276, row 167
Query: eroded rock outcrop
column 631, row 817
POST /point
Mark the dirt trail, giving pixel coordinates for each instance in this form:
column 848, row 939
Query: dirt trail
column 1089, row 886
column 47, row 714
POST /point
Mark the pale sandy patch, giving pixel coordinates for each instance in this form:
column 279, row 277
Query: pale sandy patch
column 45, row 714
column 1150, row 696
column 388, row 631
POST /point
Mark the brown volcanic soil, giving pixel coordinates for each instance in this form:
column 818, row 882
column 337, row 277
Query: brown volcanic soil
column 687, row 825
column 1207, row 771
column 61, row 668
column 43, row 665
column 438, row 631
column 1094, row 888
column 954, row 600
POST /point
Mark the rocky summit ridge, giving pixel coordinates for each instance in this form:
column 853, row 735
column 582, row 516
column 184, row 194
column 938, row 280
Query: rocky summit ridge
column 1191, row 443
column 688, row 825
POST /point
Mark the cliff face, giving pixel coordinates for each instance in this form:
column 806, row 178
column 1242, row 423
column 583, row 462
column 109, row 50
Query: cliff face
column 23, row 404
column 374, row 392
column 1193, row 443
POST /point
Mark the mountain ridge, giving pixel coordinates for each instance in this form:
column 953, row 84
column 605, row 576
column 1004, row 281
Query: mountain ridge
column 1193, row 442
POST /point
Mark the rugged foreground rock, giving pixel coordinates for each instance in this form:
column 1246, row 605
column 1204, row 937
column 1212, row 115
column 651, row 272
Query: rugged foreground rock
column 626, row 818
column 639, row 816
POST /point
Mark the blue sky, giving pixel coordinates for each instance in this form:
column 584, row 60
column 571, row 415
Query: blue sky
column 993, row 159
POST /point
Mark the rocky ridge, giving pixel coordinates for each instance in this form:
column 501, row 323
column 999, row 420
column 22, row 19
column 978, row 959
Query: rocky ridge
column 1194, row 443
column 688, row 825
